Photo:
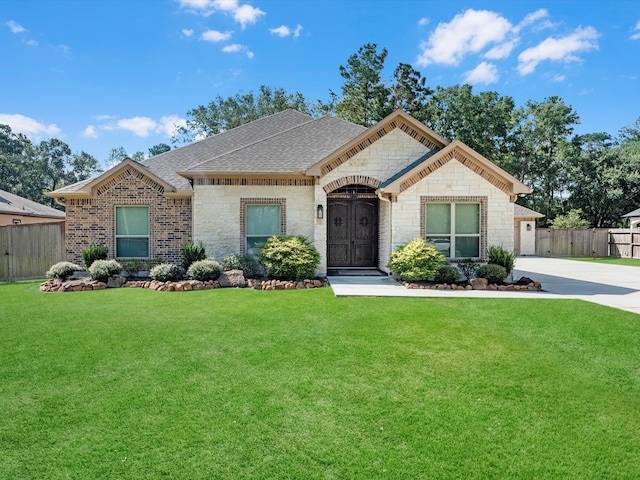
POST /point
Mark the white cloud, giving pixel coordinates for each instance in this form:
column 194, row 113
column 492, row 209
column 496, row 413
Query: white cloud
column 468, row 32
column 246, row 14
column 636, row 35
column 485, row 73
column 32, row 43
column 187, row 32
column 423, row 21
column 284, row 31
column 90, row 132
column 558, row 49
column 140, row 126
column 28, row 126
column 236, row 48
column 534, row 17
column 243, row 14
column 15, row 28
column 503, row 50
column 216, row 36
column 169, row 124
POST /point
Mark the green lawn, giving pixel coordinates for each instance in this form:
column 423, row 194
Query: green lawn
column 630, row 262
column 234, row 384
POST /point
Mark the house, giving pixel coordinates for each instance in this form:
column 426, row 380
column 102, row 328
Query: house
column 15, row 210
column 357, row 193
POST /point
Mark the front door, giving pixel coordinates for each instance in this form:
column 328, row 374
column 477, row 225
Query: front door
column 352, row 233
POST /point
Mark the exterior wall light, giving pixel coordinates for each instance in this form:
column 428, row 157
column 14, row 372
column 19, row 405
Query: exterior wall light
column 528, row 227
column 319, row 212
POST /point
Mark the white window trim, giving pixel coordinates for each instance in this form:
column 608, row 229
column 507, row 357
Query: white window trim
column 452, row 235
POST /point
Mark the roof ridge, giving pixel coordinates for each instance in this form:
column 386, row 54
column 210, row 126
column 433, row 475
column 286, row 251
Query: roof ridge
column 243, row 147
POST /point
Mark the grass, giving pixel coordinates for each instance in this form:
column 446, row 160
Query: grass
column 630, row 262
column 299, row 384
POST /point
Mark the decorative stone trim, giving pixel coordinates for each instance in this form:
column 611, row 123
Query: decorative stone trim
column 126, row 174
column 256, row 181
column 351, row 180
column 529, row 287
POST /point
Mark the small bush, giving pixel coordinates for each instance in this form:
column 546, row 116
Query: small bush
column 93, row 253
column 492, row 272
column 499, row 256
column 192, row 252
column 468, row 267
column 416, row 260
column 204, row 270
column 165, row 272
column 447, row 273
column 63, row 270
column 250, row 267
column 101, row 270
column 289, row 257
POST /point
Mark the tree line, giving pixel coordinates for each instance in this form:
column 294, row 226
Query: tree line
column 596, row 174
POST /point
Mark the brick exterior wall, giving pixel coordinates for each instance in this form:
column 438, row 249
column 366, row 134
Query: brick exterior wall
column 92, row 221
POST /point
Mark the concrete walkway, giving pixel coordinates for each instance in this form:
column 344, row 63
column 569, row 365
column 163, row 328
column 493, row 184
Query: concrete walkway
column 611, row 285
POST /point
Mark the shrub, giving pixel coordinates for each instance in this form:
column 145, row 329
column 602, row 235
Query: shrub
column 289, row 257
column 492, row 272
column 192, row 252
column 63, row 270
column 447, row 273
column 416, row 260
column 468, row 267
column 204, row 270
column 250, row 267
column 101, row 270
column 165, row 272
column 499, row 256
column 93, row 253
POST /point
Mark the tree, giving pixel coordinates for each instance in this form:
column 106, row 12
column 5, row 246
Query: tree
column 541, row 153
column 486, row 121
column 158, row 149
column 137, row 157
column 17, row 164
column 53, row 156
column 83, row 166
column 223, row 114
column 573, row 219
column 409, row 91
column 116, row 155
column 364, row 96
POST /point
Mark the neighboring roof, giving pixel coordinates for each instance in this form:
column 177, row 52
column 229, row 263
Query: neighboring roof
column 288, row 151
column 635, row 213
column 520, row 211
column 12, row 204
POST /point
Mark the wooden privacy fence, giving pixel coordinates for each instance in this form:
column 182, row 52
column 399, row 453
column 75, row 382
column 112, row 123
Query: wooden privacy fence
column 572, row 243
column 623, row 243
column 29, row 250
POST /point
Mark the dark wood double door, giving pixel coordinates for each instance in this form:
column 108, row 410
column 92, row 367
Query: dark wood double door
column 352, row 233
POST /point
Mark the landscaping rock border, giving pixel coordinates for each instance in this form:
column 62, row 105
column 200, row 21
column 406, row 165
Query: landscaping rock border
column 476, row 284
column 231, row 281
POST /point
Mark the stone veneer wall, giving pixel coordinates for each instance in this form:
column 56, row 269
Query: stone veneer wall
column 451, row 182
column 218, row 212
column 92, row 221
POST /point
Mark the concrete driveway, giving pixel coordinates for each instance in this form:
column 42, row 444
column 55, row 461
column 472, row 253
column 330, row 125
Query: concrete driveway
column 611, row 285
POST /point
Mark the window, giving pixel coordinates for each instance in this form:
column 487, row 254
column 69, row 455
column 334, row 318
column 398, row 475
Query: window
column 454, row 228
column 262, row 222
column 132, row 232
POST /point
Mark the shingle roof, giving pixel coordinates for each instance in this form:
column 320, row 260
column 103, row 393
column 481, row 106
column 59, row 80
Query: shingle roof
column 635, row 213
column 167, row 164
column 520, row 211
column 16, row 205
column 296, row 148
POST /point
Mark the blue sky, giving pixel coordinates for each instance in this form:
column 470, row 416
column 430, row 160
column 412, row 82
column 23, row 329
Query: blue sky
column 102, row 74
